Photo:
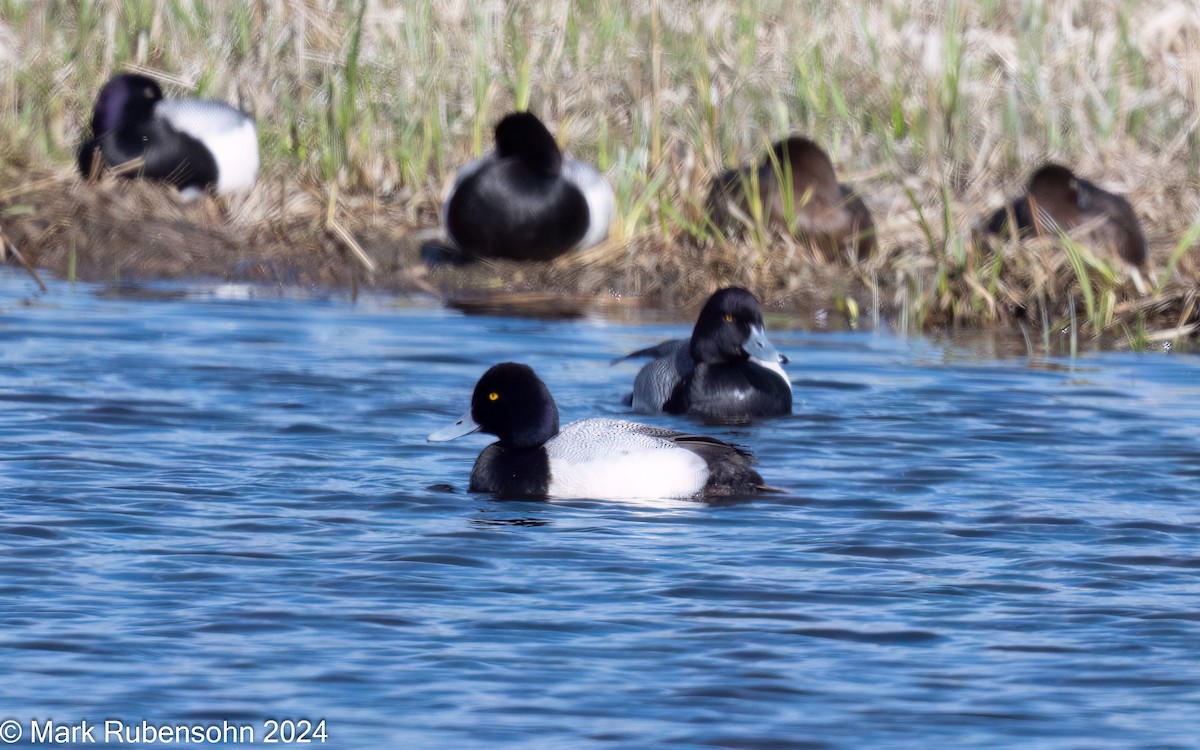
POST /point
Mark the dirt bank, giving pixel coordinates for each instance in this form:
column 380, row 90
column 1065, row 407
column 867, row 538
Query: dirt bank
column 118, row 230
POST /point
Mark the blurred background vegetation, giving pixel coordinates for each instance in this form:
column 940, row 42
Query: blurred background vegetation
column 935, row 111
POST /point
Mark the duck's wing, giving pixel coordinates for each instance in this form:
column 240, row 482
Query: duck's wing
column 644, row 460
column 658, row 379
column 601, row 201
column 730, row 467
column 665, row 349
column 612, row 458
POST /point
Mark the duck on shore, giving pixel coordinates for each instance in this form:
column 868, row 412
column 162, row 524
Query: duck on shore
column 798, row 192
column 525, row 200
column 1056, row 199
column 193, row 144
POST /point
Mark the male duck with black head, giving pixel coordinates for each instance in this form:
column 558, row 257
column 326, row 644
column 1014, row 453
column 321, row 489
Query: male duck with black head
column 799, row 193
column 1056, row 199
column 193, row 144
column 728, row 369
column 525, row 201
column 593, row 458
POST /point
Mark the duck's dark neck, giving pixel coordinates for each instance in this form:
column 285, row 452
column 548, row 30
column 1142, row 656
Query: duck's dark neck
column 713, row 352
column 512, row 472
column 533, row 431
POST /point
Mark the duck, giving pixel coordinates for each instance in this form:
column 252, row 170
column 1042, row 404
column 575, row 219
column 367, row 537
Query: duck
column 832, row 215
column 194, row 144
column 727, row 370
column 525, row 201
column 1056, row 199
column 599, row 458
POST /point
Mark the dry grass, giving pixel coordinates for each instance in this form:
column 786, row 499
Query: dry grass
column 935, row 111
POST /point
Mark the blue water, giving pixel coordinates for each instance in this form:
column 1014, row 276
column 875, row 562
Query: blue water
column 223, row 508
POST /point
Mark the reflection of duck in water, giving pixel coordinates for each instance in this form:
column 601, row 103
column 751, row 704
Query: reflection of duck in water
column 591, row 458
column 828, row 213
column 192, row 144
column 1057, row 200
column 524, row 201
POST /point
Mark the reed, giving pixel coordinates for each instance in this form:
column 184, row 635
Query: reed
column 935, row 112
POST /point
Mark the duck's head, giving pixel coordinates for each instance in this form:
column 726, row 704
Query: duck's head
column 730, row 329
column 1057, row 191
column 126, row 99
column 521, row 135
column 511, row 402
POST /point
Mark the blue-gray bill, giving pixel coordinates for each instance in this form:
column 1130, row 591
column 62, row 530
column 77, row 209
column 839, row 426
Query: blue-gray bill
column 464, row 426
column 761, row 349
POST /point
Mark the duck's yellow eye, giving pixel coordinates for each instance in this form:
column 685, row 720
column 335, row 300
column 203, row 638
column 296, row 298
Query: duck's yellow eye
column 728, row 318
column 149, row 93
column 493, row 396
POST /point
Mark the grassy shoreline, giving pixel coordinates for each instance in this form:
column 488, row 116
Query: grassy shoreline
column 935, row 114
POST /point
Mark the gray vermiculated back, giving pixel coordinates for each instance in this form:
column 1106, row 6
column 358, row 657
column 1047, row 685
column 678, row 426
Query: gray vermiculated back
column 656, row 381
column 199, row 117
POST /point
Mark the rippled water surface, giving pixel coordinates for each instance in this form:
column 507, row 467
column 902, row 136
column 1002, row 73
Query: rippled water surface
column 218, row 508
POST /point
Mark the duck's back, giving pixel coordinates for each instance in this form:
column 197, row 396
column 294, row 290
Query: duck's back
column 201, row 117
column 1119, row 228
column 506, row 210
column 228, row 133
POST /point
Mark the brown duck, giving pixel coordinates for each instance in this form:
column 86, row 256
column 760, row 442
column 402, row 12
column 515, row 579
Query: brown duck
column 823, row 210
column 1058, row 200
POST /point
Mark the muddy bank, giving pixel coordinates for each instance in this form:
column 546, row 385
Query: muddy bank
column 121, row 231
column 130, row 231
